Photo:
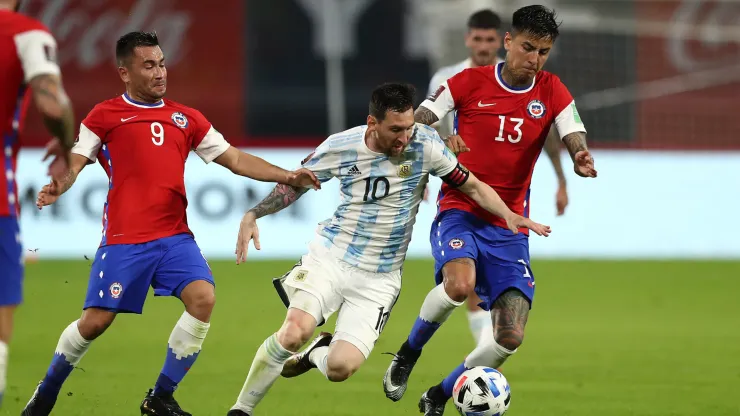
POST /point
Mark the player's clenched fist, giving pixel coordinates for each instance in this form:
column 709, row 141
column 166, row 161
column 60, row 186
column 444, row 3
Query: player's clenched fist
column 247, row 231
column 456, row 144
column 48, row 194
column 303, row 178
column 514, row 222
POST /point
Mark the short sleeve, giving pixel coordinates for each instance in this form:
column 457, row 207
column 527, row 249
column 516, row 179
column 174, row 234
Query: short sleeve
column 449, row 95
column 442, row 161
column 323, row 162
column 90, row 138
column 206, row 141
column 567, row 119
column 37, row 51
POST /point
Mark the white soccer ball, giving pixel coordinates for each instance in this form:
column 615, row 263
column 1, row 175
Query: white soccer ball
column 482, row 391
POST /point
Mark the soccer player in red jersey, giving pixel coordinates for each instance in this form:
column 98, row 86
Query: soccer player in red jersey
column 28, row 68
column 504, row 115
column 142, row 142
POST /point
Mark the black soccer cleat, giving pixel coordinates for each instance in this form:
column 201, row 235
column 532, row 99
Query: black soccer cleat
column 236, row 412
column 396, row 378
column 432, row 402
column 161, row 405
column 299, row 363
column 38, row 405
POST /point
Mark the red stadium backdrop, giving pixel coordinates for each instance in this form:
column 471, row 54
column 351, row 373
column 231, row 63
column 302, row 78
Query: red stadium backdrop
column 706, row 68
column 202, row 42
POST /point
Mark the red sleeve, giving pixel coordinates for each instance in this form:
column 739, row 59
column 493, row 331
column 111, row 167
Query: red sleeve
column 96, row 121
column 560, row 96
column 199, row 128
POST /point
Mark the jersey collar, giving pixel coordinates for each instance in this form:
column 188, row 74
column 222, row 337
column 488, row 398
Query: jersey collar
column 502, row 83
column 140, row 104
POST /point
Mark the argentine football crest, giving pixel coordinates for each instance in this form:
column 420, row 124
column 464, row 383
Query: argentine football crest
column 536, row 109
column 115, row 290
column 404, row 170
column 180, row 120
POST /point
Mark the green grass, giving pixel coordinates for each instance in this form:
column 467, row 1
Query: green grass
column 604, row 338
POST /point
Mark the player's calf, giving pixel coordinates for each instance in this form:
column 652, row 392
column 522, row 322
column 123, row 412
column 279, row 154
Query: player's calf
column 510, row 313
column 344, row 359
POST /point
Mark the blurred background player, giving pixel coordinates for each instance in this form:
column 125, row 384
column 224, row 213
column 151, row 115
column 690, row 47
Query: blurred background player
column 142, row 141
column 354, row 264
column 483, row 41
column 28, row 68
column 504, row 115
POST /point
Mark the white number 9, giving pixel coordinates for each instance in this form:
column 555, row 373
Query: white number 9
column 158, row 133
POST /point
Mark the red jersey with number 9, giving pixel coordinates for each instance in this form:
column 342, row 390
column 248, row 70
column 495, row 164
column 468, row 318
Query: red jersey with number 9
column 143, row 148
column 505, row 129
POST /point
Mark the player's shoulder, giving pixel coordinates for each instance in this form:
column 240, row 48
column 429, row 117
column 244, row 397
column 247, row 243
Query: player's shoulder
column 426, row 136
column 12, row 23
column 182, row 114
column 546, row 79
column 349, row 139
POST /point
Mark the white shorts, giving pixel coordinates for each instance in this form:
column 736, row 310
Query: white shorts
column 364, row 299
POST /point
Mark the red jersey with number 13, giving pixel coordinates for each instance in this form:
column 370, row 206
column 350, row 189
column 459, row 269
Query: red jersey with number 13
column 505, row 129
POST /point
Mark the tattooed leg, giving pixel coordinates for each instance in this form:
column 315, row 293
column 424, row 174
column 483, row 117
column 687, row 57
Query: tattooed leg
column 510, row 313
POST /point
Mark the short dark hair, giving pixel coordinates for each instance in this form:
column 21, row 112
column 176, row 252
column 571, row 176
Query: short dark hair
column 536, row 20
column 484, row 19
column 130, row 41
column 397, row 97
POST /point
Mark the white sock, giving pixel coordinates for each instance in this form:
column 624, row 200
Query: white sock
column 480, row 325
column 187, row 336
column 266, row 368
column 72, row 344
column 438, row 306
column 319, row 358
column 489, row 354
column 3, row 367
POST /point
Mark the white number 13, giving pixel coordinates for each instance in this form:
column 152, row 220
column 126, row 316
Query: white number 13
column 517, row 129
column 157, row 133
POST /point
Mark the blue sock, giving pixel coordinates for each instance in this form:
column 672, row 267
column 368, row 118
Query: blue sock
column 421, row 333
column 184, row 346
column 449, row 382
column 56, row 375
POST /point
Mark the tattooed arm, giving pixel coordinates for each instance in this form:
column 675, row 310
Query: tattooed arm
column 426, row 116
column 552, row 148
column 55, row 107
column 51, row 192
column 280, row 197
column 583, row 163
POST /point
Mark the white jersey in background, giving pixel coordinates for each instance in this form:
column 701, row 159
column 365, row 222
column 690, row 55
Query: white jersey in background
column 446, row 126
column 380, row 195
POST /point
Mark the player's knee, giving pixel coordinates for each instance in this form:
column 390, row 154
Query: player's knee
column 510, row 338
column 339, row 370
column 458, row 287
column 94, row 322
column 202, row 305
column 294, row 333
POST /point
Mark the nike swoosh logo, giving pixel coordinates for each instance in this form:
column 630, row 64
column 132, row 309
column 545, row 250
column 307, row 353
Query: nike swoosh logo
column 480, row 104
column 127, row 119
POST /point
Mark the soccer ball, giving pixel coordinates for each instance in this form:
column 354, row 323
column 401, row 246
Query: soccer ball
column 481, row 391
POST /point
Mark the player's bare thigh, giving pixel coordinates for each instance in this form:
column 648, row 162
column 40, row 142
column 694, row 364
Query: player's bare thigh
column 6, row 322
column 344, row 359
column 459, row 278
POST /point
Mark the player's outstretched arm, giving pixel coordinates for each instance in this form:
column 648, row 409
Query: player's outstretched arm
column 280, row 197
column 424, row 115
column 51, row 192
column 552, row 148
column 583, row 162
column 489, row 200
column 55, row 107
column 253, row 167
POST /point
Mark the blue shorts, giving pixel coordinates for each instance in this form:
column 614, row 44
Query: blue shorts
column 11, row 262
column 121, row 274
column 501, row 257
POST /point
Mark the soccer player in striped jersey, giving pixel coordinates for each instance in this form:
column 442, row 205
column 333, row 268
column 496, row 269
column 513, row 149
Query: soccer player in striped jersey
column 354, row 262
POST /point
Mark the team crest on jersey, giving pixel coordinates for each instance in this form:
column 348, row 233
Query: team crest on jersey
column 300, row 275
column 404, row 170
column 115, row 290
column 180, row 119
column 456, row 243
column 536, row 109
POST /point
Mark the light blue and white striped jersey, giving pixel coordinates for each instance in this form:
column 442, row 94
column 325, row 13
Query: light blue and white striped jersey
column 379, row 195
